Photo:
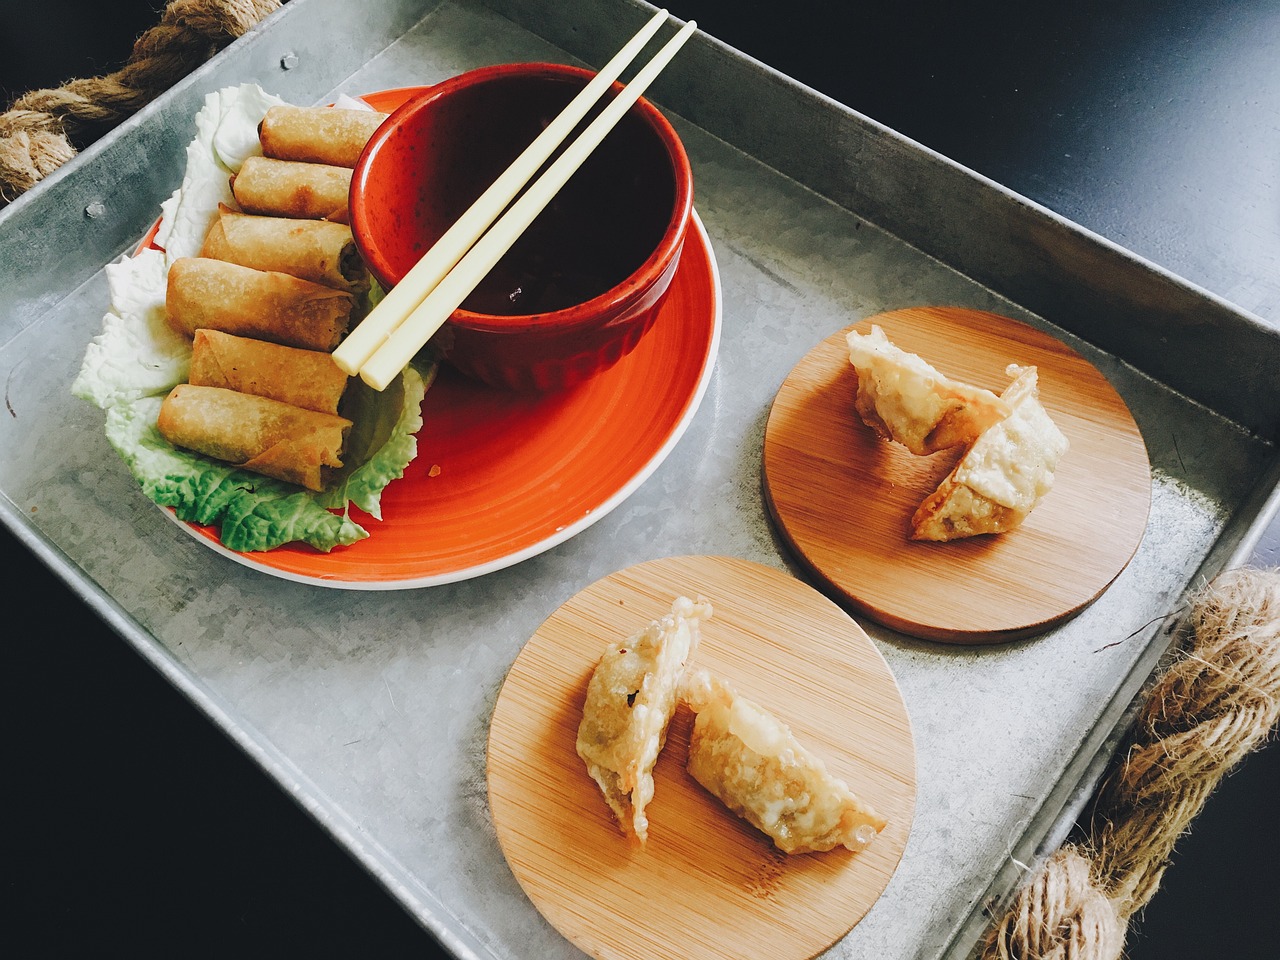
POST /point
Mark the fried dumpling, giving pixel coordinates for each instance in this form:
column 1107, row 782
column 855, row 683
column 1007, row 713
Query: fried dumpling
column 749, row 760
column 631, row 698
column 1002, row 476
column 901, row 397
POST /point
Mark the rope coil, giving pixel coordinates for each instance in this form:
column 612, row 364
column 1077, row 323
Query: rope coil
column 36, row 131
column 1216, row 703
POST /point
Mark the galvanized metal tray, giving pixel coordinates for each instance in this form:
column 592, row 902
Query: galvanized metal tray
column 372, row 709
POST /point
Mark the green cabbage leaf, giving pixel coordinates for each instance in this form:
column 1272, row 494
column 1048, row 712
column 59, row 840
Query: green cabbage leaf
column 137, row 359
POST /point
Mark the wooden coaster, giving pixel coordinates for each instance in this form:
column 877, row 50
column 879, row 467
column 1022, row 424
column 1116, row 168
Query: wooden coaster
column 707, row 885
column 843, row 499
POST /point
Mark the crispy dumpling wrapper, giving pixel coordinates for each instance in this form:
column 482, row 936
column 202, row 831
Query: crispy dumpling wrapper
column 749, row 760
column 631, row 698
column 215, row 295
column 1002, row 476
column 901, row 397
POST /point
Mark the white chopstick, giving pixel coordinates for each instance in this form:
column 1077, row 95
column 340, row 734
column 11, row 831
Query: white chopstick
column 405, row 340
column 356, row 349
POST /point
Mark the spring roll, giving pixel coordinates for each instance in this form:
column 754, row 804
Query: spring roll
column 315, row 250
column 287, row 188
column 317, row 134
column 304, row 378
column 254, row 433
column 264, row 305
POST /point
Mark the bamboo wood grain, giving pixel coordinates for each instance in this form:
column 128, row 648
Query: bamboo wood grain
column 707, row 885
column 843, row 500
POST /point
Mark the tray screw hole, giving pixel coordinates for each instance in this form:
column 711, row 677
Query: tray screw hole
column 288, row 61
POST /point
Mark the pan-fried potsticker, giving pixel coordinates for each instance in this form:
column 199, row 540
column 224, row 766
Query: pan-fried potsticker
column 631, row 698
column 750, row 760
column 901, row 397
column 1002, row 476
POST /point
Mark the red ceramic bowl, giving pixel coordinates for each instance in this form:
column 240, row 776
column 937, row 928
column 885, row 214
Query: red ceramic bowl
column 585, row 282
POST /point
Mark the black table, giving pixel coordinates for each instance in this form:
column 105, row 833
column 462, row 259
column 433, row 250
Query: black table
column 1156, row 124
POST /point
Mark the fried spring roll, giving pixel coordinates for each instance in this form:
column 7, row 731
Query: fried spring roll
column 317, row 134
column 304, row 378
column 254, row 433
column 315, row 250
column 264, row 305
column 287, row 188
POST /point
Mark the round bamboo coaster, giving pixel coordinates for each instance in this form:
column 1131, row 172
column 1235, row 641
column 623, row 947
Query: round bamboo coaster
column 706, row 885
column 843, row 499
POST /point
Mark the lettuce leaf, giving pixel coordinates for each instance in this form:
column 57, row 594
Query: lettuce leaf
column 137, row 359
column 226, row 135
column 258, row 513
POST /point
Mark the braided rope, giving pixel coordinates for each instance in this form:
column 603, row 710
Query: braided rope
column 36, row 130
column 1061, row 914
column 1215, row 704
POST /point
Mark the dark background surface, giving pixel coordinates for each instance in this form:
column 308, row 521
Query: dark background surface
column 138, row 828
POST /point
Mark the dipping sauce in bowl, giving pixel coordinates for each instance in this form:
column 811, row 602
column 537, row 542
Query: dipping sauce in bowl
column 580, row 288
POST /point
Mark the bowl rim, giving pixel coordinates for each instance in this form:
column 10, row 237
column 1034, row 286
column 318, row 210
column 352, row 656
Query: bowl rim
column 588, row 312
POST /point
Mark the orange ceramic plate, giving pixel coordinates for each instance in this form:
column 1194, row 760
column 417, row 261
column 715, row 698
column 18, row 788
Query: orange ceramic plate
column 503, row 477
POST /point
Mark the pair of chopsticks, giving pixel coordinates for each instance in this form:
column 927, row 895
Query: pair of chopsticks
column 416, row 307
